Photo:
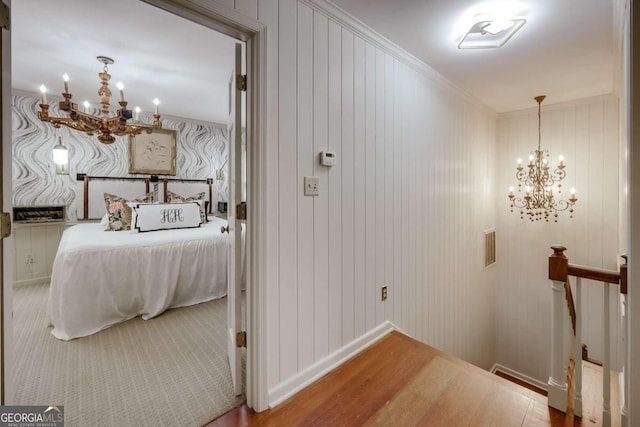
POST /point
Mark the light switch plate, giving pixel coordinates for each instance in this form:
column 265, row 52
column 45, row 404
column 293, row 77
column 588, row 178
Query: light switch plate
column 311, row 186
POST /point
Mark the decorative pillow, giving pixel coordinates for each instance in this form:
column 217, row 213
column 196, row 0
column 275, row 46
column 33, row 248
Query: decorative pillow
column 119, row 213
column 166, row 216
column 176, row 198
column 134, row 214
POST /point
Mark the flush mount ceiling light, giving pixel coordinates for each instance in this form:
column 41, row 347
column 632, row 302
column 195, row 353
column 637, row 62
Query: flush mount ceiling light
column 490, row 33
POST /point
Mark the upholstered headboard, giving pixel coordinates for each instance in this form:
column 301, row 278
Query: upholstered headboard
column 188, row 187
column 132, row 187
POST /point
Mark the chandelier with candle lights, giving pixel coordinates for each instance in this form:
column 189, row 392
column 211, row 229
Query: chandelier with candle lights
column 539, row 201
column 105, row 125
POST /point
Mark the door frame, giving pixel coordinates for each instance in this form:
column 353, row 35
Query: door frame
column 227, row 21
column 6, row 251
column 632, row 370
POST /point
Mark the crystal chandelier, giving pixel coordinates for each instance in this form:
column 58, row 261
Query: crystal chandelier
column 538, row 180
column 105, row 125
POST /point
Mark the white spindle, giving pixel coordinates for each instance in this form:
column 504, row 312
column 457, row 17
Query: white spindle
column 577, row 372
column 624, row 389
column 606, row 369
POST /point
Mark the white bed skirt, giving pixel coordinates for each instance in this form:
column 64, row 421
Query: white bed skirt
column 103, row 278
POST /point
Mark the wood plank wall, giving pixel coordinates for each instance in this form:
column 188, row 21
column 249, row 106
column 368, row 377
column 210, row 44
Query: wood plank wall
column 586, row 133
column 245, row 7
column 405, row 205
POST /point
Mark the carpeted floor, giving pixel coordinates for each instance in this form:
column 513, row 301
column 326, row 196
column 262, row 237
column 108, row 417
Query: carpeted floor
column 168, row 371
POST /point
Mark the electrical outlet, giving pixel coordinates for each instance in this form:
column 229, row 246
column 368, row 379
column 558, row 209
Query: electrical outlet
column 383, row 294
column 311, row 186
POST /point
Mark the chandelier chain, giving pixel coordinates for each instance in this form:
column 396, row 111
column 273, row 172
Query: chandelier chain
column 539, row 100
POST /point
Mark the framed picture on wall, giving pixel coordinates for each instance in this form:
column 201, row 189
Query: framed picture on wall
column 153, row 153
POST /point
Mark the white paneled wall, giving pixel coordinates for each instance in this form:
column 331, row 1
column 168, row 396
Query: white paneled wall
column 245, row 7
column 405, row 206
column 586, row 133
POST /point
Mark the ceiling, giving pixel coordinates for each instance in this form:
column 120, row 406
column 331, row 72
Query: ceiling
column 157, row 54
column 564, row 51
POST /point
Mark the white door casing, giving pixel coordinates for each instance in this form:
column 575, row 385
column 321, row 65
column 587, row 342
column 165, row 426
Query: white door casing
column 6, row 252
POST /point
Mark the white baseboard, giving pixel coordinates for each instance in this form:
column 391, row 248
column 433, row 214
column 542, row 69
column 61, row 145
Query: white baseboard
column 36, row 281
column 302, row 379
column 520, row 376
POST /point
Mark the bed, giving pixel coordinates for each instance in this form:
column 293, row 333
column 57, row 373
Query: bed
column 101, row 278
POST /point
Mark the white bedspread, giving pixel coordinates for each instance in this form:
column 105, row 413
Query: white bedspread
column 102, row 278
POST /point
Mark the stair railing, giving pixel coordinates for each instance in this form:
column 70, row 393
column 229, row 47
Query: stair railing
column 559, row 272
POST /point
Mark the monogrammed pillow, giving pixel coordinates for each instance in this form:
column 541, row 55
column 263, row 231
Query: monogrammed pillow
column 165, row 216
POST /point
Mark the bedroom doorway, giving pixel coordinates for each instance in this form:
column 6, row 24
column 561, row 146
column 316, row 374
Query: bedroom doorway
column 250, row 136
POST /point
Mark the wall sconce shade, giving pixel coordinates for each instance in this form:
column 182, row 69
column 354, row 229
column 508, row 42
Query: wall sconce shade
column 61, row 158
column 220, row 174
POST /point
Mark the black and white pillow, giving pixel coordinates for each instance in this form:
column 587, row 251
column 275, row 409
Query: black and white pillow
column 165, row 216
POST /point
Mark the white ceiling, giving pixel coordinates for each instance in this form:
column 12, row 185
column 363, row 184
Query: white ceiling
column 186, row 66
column 564, row 51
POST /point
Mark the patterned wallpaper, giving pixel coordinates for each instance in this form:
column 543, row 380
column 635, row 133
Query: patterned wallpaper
column 201, row 149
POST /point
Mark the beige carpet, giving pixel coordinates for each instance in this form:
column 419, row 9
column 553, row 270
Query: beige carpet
column 168, row 371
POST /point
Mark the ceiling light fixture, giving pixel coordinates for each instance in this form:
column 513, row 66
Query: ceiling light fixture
column 496, row 27
column 539, row 201
column 490, row 33
column 104, row 125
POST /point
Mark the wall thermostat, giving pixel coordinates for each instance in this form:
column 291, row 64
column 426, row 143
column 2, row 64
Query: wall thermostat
column 327, row 158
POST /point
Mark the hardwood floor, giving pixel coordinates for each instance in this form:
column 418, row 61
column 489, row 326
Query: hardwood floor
column 592, row 396
column 401, row 382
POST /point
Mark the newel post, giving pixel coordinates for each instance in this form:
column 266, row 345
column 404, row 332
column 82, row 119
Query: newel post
column 558, row 272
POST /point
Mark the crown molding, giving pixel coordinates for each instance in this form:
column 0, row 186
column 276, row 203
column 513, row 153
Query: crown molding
column 610, row 97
